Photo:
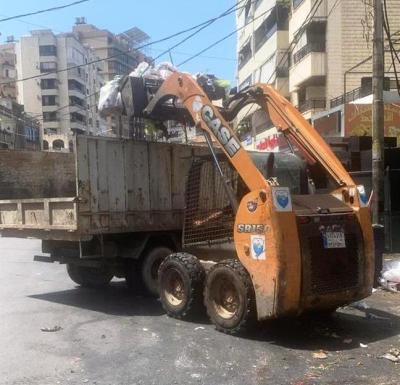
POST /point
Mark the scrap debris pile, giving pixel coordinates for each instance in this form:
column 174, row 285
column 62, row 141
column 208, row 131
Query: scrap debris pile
column 115, row 96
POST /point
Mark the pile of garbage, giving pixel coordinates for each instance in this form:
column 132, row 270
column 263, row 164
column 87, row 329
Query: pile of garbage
column 390, row 278
column 113, row 101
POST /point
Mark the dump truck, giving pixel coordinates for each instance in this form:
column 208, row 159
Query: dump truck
column 247, row 235
column 111, row 207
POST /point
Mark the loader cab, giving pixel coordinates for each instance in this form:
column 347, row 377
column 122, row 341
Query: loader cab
column 209, row 217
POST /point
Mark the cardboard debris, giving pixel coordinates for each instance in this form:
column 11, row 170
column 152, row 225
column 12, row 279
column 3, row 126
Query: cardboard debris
column 321, row 355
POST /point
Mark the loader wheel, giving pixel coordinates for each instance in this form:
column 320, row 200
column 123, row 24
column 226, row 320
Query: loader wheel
column 149, row 268
column 181, row 278
column 89, row 276
column 229, row 297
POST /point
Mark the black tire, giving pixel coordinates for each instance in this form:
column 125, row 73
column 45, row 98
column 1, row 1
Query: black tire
column 149, row 268
column 181, row 280
column 229, row 297
column 89, row 276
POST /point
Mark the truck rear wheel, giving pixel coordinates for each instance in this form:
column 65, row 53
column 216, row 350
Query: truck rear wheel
column 229, row 296
column 181, row 278
column 149, row 268
column 89, row 276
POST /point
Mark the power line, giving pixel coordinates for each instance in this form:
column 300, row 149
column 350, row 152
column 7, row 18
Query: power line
column 113, row 56
column 224, row 14
column 44, row 10
column 202, row 56
column 224, row 38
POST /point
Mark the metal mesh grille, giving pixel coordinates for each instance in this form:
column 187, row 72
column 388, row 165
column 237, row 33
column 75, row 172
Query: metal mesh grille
column 333, row 269
column 208, row 216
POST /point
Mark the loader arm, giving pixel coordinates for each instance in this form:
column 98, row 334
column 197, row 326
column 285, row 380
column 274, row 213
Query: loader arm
column 207, row 117
column 287, row 119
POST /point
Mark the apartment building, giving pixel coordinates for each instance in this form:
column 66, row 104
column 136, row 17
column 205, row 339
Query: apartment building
column 329, row 47
column 112, row 47
column 262, row 44
column 120, row 58
column 61, row 99
column 8, row 71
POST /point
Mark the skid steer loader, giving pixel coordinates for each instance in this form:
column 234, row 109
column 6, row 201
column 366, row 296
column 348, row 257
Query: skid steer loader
column 256, row 245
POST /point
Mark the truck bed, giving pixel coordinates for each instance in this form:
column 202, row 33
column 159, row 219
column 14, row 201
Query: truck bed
column 106, row 186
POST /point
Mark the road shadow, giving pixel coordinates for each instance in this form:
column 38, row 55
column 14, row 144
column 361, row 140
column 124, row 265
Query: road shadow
column 344, row 330
column 116, row 299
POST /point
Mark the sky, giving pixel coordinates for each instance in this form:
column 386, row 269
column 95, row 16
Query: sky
column 158, row 18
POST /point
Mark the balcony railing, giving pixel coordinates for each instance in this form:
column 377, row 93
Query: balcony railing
column 362, row 92
column 310, row 47
column 312, row 104
column 351, row 96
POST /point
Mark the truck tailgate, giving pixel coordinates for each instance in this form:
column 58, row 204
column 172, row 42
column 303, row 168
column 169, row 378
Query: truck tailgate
column 39, row 214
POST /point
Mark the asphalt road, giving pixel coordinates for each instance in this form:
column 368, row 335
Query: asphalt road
column 114, row 337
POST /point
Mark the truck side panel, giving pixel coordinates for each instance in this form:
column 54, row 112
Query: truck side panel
column 130, row 186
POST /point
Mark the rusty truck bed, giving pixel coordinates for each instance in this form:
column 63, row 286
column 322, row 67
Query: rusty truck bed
column 106, row 186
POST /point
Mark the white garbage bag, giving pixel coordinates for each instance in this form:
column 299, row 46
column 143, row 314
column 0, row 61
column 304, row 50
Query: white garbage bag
column 160, row 72
column 391, row 275
column 165, row 69
column 110, row 100
column 140, row 70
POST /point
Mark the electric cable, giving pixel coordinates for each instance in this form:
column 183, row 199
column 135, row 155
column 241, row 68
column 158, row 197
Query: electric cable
column 115, row 55
column 43, row 10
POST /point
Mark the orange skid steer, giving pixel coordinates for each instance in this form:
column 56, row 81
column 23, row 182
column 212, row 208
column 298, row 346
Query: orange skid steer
column 255, row 247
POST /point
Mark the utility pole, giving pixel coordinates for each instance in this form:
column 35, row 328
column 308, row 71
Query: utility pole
column 378, row 113
column 378, row 123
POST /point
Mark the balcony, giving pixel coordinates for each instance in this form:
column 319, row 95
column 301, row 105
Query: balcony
column 309, row 67
column 307, row 49
column 312, row 105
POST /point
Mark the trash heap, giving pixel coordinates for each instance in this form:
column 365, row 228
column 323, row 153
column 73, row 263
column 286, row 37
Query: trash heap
column 130, row 94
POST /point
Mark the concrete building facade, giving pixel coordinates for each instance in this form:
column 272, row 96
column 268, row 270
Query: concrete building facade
column 329, row 48
column 8, row 71
column 120, row 58
column 62, row 99
column 262, row 43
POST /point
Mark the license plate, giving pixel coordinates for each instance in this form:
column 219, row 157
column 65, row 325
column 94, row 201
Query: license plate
column 334, row 239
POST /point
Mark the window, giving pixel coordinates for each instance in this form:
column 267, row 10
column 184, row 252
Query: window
column 31, row 134
column 73, row 100
column 48, row 84
column 50, row 116
column 48, row 100
column 245, row 54
column 76, row 117
column 265, row 31
column 74, row 85
column 247, row 12
column 48, row 67
column 74, row 56
column 47, row 50
column 245, row 83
